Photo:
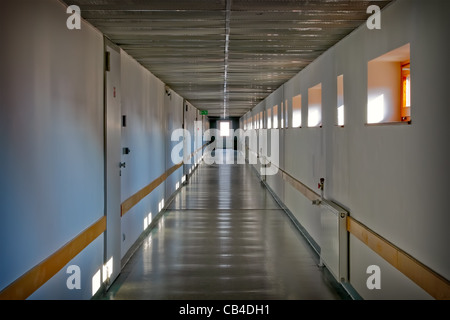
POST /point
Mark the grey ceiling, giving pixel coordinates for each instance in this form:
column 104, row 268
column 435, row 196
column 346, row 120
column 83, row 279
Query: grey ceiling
column 225, row 56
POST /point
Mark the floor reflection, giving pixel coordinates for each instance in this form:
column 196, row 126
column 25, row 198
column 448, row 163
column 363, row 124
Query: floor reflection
column 224, row 237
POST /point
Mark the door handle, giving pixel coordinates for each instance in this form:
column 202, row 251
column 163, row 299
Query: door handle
column 122, row 165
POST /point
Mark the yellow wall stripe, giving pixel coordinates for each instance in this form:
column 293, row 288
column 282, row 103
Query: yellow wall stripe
column 32, row 280
column 433, row 283
column 298, row 185
column 141, row 194
column 302, row 188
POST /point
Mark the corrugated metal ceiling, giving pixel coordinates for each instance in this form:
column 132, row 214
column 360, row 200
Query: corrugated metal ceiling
column 225, row 56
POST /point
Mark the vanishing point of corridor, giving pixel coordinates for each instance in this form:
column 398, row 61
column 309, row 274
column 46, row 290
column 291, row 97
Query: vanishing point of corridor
column 224, row 237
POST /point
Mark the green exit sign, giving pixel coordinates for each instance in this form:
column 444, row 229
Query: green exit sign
column 204, row 112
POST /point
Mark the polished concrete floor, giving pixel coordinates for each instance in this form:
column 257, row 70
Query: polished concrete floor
column 224, row 237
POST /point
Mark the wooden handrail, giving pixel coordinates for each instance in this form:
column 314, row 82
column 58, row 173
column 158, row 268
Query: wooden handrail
column 297, row 184
column 430, row 281
column 33, row 279
column 434, row 284
column 301, row 187
column 141, row 194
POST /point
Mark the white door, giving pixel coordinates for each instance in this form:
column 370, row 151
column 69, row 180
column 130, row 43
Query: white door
column 113, row 164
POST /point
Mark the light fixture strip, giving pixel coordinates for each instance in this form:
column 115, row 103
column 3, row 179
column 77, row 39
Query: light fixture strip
column 226, row 54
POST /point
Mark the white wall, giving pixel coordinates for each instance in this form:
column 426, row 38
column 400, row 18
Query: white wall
column 174, row 121
column 51, row 137
column 152, row 115
column 143, row 104
column 394, row 179
column 191, row 114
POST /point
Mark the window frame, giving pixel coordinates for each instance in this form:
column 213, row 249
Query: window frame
column 406, row 91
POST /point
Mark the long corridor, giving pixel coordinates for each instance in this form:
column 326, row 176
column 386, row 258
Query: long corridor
column 224, row 237
column 105, row 103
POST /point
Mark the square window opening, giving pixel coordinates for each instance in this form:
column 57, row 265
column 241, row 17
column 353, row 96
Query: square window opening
column 389, row 87
column 297, row 111
column 340, row 101
column 315, row 106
